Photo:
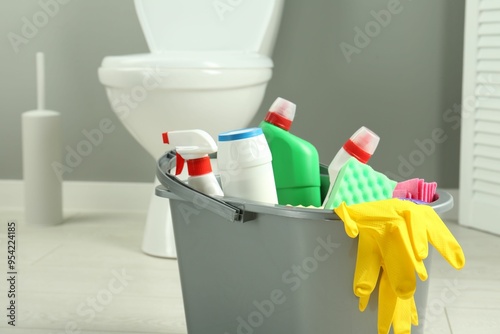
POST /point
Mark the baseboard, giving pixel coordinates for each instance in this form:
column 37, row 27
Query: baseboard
column 86, row 196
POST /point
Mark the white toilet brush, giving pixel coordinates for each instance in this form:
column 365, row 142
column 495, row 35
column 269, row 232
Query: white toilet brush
column 42, row 149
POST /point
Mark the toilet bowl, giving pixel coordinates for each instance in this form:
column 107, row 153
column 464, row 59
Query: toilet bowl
column 153, row 93
column 208, row 68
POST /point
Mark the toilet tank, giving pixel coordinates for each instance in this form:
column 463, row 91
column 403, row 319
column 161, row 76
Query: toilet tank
column 210, row 25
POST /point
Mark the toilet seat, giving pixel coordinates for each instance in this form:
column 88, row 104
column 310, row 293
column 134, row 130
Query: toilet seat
column 187, row 70
column 190, row 60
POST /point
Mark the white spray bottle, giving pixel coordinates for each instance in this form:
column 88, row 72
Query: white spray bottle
column 194, row 146
column 361, row 146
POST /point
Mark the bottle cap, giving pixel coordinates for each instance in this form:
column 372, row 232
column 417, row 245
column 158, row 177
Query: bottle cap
column 362, row 144
column 240, row 134
column 281, row 113
column 197, row 167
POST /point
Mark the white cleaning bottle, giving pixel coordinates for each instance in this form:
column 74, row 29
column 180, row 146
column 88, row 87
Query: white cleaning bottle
column 361, row 146
column 245, row 165
column 194, row 146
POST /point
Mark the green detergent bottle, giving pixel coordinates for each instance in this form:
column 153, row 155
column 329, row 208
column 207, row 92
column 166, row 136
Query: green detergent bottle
column 295, row 161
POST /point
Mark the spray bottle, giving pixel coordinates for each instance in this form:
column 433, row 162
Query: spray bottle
column 295, row 161
column 194, row 146
column 361, row 146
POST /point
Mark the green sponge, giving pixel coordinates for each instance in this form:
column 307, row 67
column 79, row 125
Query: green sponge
column 358, row 183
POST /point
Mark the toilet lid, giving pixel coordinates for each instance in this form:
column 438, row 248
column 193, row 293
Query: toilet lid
column 201, row 25
column 191, row 60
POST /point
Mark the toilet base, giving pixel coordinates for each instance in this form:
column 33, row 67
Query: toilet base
column 158, row 239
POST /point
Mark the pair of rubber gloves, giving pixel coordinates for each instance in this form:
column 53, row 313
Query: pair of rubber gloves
column 394, row 237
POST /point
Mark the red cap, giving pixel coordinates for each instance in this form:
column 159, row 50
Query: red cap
column 362, row 144
column 278, row 120
column 196, row 167
column 201, row 166
column 281, row 113
column 356, row 151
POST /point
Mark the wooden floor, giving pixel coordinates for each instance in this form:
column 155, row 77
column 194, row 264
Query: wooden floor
column 88, row 275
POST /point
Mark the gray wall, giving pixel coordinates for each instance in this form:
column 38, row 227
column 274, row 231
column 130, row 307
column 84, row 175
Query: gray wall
column 403, row 81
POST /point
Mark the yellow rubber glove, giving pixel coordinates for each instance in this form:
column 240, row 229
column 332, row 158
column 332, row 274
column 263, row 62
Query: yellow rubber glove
column 426, row 226
column 405, row 315
column 402, row 230
column 393, row 310
column 398, row 312
column 383, row 237
column 394, row 235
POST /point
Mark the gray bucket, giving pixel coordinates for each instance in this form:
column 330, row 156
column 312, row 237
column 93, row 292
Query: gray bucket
column 249, row 267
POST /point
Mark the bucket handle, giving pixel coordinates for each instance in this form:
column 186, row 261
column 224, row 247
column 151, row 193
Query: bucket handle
column 184, row 191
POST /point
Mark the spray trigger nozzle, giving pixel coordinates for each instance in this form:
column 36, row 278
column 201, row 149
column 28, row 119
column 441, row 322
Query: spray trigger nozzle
column 193, row 147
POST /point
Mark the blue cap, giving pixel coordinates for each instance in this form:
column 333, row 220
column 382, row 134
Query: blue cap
column 240, row 134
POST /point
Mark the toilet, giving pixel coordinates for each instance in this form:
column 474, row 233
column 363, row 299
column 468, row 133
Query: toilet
column 208, row 68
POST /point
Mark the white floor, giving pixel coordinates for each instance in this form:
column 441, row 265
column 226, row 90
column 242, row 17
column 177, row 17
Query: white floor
column 88, row 275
